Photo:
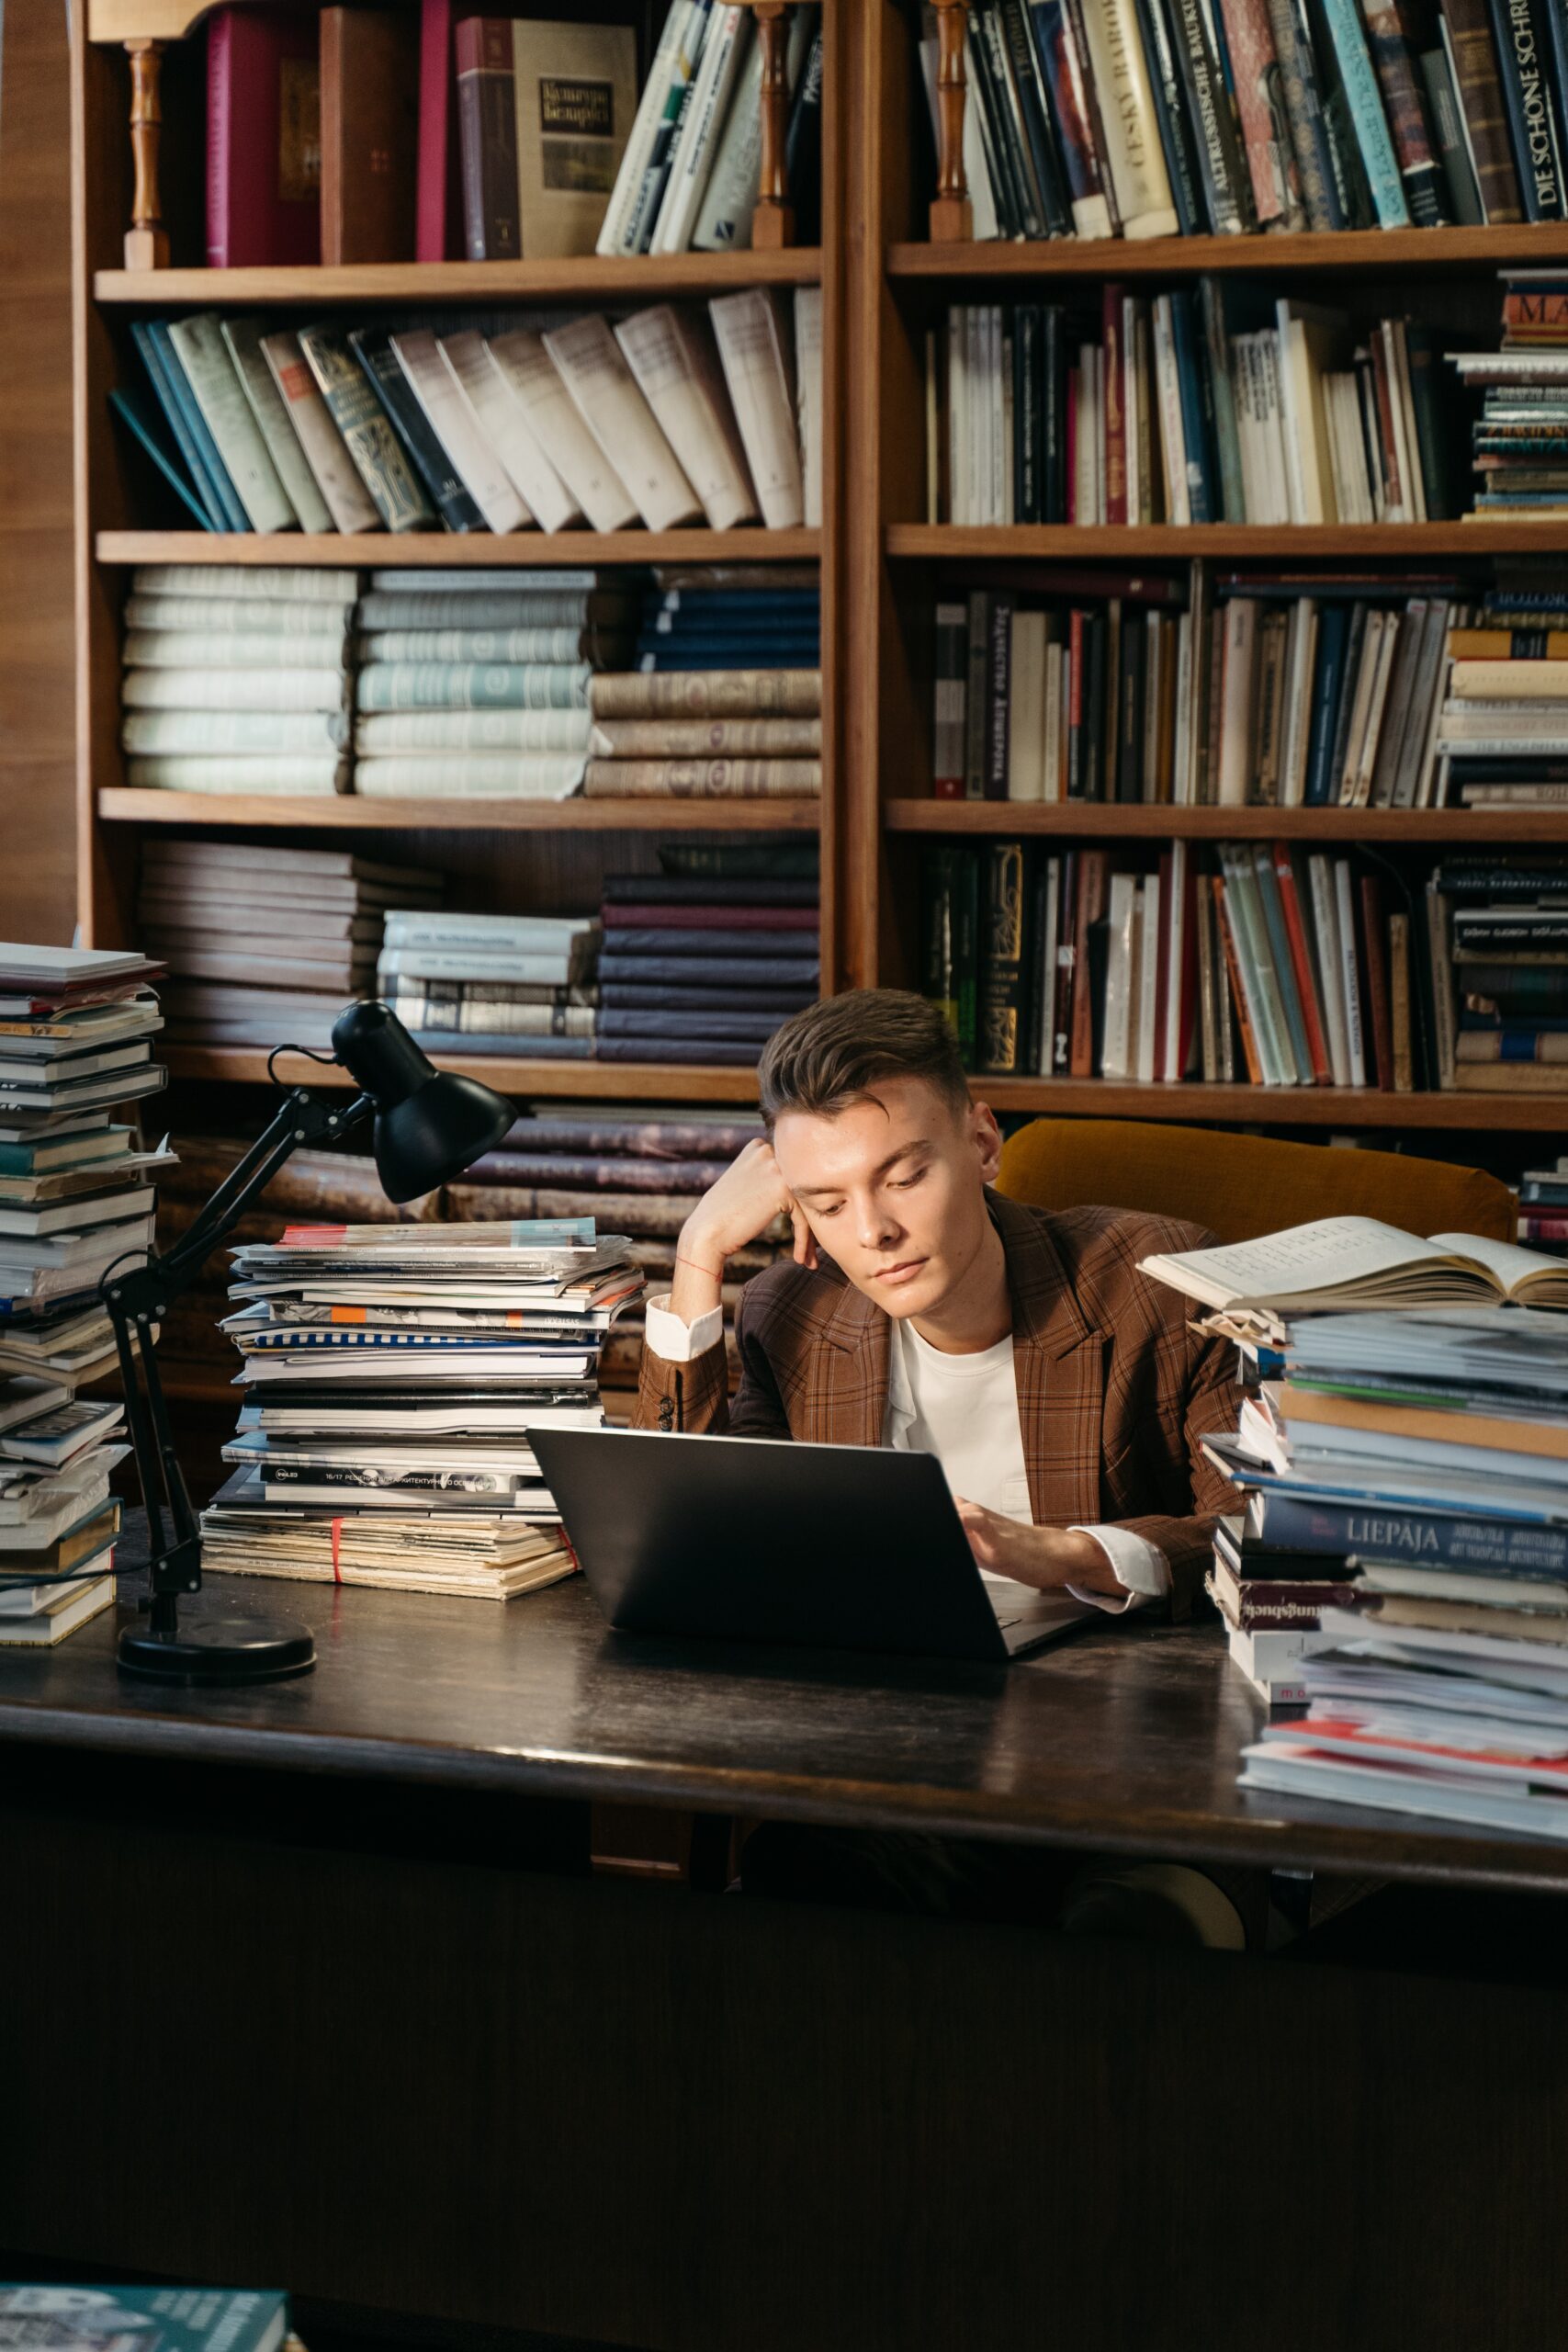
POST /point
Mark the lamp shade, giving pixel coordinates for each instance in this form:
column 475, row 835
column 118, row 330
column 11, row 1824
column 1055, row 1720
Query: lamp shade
column 429, row 1123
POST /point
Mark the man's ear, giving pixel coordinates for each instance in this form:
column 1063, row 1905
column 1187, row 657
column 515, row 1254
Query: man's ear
column 988, row 1138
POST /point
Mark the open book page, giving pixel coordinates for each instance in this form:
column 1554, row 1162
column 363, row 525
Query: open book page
column 1512, row 1266
column 1327, row 1255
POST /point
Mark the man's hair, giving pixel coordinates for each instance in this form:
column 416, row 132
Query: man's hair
column 836, row 1051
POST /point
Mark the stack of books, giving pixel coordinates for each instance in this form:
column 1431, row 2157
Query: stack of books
column 477, row 683
column 1402, row 1472
column 266, row 946
column 497, row 984
column 1245, row 691
column 688, row 179
column 676, row 415
column 1278, row 966
column 730, row 617
column 1507, row 919
column 76, row 1197
column 643, row 1176
column 1147, row 118
column 237, row 678
column 703, row 969
column 707, row 734
column 1543, row 1208
column 1520, row 441
column 1215, row 405
column 391, row 1374
column 1502, row 734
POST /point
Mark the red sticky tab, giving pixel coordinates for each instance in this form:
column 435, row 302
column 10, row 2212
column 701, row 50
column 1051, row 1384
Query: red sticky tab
column 337, row 1565
column 312, row 1236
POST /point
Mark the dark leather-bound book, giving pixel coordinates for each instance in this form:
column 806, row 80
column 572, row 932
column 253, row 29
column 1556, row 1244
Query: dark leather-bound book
column 370, row 133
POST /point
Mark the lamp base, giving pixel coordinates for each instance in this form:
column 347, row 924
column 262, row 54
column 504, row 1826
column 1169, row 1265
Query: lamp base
column 219, row 1649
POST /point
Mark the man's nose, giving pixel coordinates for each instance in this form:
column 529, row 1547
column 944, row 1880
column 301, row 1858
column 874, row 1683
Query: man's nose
column 877, row 1226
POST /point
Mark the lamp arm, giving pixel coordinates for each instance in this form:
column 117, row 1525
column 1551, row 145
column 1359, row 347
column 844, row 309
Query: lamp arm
column 299, row 1120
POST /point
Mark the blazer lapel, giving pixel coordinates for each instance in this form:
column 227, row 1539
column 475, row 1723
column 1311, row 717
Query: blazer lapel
column 1059, row 1366
column 846, row 1399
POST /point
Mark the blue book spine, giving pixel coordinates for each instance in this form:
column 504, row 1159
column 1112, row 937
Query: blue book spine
column 151, row 359
column 524, row 1049
column 1373, row 1531
column 1365, row 101
column 711, row 657
column 1197, row 411
column 1520, row 29
column 235, row 515
column 137, row 419
column 1328, row 679
column 1060, row 74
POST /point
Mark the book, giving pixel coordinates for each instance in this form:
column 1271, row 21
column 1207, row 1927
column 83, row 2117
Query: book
column 220, row 395
column 325, row 451
column 370, row 104
column 725, row 48
column 1127, row 116
column 670, row 58
column 1339, row 1262
column 556, row 422
column 575, row 94
column 671, row 353
column 262, row 139
column 754, row 351
column 428, row 455
column 438, row 191
column 452, row 422
column 244, row 339
column 367, row 432
column 497, row 414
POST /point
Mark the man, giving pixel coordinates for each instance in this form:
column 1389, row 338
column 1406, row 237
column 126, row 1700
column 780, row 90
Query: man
column 1064, row 1392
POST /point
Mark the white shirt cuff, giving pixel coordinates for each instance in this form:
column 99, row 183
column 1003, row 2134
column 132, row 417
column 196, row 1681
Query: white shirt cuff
column 1144, row 1571
column 678, row 1342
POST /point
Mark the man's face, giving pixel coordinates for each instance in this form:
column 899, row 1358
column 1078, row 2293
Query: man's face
column 892, row 1189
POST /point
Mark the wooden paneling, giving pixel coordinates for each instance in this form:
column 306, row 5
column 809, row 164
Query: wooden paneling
column 38, row 872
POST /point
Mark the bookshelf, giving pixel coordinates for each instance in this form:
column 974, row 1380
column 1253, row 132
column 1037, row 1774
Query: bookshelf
column 544, row 857
column 917, row 255
column 885, row 278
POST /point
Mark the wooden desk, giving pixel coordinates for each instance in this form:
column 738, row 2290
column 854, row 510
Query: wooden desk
column 315, row 1991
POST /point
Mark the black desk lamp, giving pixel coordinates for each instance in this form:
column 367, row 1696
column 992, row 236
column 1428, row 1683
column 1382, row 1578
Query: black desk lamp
column 429, row 1125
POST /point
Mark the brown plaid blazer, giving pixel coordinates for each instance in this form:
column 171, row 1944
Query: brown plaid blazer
column 1114, row 1387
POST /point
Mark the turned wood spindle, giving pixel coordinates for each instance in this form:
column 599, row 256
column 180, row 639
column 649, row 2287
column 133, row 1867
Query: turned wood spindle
column 952, row 218
column 772, row 222
column 146, row 239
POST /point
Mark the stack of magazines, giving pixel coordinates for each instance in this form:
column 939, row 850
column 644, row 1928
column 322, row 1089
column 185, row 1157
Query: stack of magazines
column 76, row 1027
column 1405, row 1479
column 390, row 1376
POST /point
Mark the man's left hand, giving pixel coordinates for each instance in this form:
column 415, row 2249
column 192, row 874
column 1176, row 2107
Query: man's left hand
column 1048, row 1557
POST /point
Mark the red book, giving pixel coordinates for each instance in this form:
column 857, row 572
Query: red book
column 1115, row 407
column 1301, row 962
column 1374, row 955
column 438, row 199
column 264, row 138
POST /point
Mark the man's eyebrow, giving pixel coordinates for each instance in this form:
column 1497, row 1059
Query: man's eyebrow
column 905, row 1151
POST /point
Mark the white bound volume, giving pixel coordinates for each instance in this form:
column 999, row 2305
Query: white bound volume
column 476, row 464
column 671, row 353
column 524, row 365
column 607, row 399
column 755, row 353
column 500, row 418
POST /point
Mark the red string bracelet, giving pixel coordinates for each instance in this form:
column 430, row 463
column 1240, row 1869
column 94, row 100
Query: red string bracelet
column 698, row 1269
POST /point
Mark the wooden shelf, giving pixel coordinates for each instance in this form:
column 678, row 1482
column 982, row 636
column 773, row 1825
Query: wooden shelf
column 595, row 1082
column 1101, row 821
column 1273, row 1106
column 345, row 812
column 457, row 550
column 579, row 278
column 1374, row 251
column 1276, row 544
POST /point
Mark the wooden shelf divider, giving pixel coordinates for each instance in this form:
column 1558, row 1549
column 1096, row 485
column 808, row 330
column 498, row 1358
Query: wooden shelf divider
column 609, row 1081
column 1371, row 252
column 346, row 812
column 458, row 551
column 1272, row 543
column 591, row 278
column 1278, row 1106
column 1112, row 821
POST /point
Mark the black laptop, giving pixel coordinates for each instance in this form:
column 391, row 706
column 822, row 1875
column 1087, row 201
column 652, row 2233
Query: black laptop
column 762, row 1540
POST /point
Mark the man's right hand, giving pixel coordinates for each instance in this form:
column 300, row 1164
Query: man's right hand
column 747, row 1198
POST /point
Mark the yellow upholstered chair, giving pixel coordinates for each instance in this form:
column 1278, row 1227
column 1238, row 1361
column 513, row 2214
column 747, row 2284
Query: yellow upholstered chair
column 1239, row 1186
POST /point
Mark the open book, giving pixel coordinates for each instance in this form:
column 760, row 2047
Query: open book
column 1356, row 1261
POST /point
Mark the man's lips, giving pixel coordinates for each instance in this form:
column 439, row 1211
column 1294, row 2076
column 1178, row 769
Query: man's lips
column 900, row 1273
